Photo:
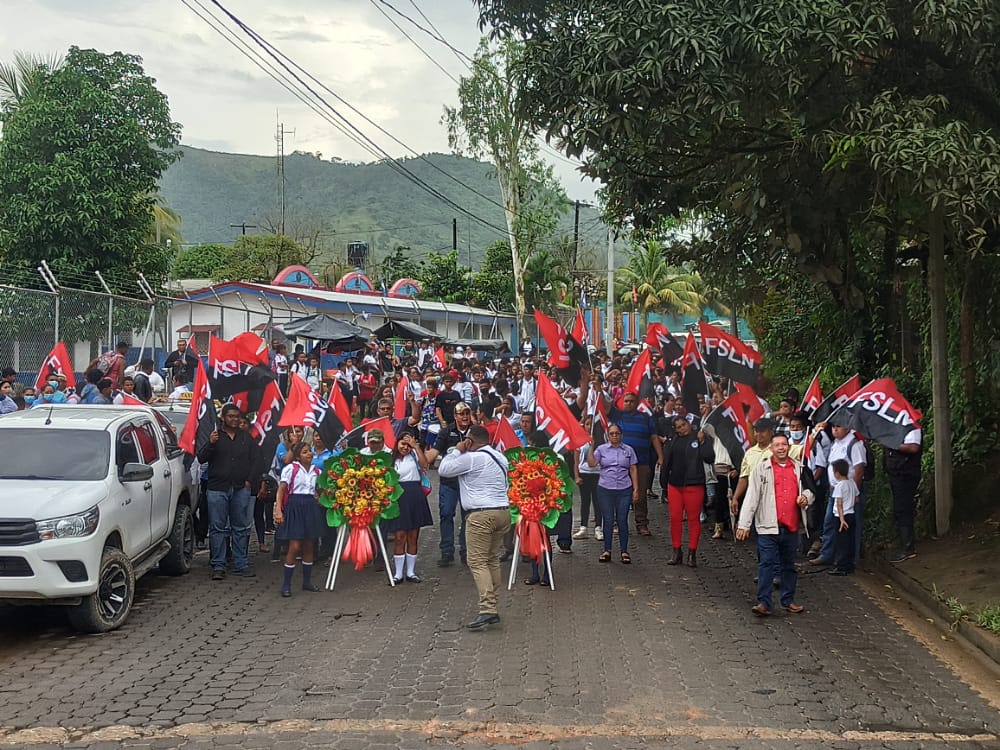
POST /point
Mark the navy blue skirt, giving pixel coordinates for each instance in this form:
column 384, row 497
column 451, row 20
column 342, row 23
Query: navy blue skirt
column 305, row 518
column 414, row 511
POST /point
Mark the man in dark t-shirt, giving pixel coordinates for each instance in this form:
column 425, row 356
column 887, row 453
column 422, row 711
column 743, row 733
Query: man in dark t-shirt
column 448, row 490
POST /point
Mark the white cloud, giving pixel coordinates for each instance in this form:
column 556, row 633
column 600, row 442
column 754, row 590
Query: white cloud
column 225, row 101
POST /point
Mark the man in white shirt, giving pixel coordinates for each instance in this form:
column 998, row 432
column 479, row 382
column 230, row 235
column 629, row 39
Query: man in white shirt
column 846, row 444
column 482, row 477
column 526, row 391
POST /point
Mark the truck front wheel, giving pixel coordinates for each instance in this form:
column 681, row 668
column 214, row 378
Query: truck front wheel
column 109, row 606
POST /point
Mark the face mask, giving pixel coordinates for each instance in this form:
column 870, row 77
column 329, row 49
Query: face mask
column 797, row 434
column 47, row 397
column 54, row 383
column 29, row 400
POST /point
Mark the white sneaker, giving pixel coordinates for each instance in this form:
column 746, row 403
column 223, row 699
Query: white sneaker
column 581, row 533
column 599, row 534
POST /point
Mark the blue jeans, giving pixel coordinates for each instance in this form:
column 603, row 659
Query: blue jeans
column 448, row 498
column 831, row 522
column 776, row 556
column 230, row 515
column 615, row 506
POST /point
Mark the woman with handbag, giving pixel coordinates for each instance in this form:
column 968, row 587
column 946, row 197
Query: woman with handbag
column 414, row 512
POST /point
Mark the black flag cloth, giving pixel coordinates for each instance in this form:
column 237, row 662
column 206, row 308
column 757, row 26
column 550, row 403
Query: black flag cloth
column 730, row 423
column 880, row 413
column 727, row 356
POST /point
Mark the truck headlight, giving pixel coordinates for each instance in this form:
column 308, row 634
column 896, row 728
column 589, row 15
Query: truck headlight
column 80, row 524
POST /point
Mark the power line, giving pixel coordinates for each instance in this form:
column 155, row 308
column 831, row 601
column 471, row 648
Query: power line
column 413, row 41
column 393, row 163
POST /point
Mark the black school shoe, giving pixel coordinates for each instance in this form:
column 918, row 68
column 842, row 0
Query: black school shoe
column 482, row 621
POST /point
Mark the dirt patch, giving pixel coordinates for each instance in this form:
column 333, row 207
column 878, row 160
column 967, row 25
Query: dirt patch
column 965, row 564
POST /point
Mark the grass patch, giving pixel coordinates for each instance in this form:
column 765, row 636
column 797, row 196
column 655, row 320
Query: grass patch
column 988, row 618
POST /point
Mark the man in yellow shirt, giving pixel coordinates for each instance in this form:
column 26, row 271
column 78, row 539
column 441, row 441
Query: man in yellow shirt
column 763, row 432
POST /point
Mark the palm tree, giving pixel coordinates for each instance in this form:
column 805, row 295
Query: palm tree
column 545, row 279
column 19, row 79
column 649, row 282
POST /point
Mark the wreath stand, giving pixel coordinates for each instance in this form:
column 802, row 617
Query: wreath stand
column 338, row 551
column 515, row 558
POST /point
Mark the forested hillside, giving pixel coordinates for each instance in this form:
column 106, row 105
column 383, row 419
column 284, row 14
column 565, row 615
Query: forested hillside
column 344, row 202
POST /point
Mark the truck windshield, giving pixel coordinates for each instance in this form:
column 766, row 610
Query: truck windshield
column 61, row 455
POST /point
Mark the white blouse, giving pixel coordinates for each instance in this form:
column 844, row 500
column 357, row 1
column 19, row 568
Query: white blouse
column 305, row 478
column 408, row 468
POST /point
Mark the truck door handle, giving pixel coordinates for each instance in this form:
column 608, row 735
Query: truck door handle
column 128, row 501
column 166, row 473
column 147, row 485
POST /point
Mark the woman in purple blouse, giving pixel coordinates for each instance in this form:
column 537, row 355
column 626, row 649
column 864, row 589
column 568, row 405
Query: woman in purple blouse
column 617, row 488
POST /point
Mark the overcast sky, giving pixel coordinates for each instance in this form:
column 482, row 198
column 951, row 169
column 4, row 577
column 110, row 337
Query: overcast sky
column 226, row 103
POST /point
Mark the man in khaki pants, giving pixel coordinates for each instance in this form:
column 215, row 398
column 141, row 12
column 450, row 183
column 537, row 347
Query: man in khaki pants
column 482, row 477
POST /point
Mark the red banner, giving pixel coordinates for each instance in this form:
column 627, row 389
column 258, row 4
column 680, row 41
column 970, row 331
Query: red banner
column 400, row 404
column 658, row 336
column 440, row 360
column 552, row 415
column 57, row 363
column 746, row 394
column 555, row 339
column 305, row 408
column 503, row 436
column 340, row 406
column 251, row 347
column 580, row 333
column 358, row 437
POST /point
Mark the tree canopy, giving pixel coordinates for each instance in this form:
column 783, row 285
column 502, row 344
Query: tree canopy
column 259, row 257
column 82, row 149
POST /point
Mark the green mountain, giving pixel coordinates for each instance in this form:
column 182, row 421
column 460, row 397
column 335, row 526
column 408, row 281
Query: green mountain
column 336, row 203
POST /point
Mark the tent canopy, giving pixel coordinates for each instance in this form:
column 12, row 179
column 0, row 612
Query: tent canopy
column 498, row 346
column 401, row 329
column 321, row 327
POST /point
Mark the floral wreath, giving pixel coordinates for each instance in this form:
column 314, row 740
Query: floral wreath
column 358, row 490
column 539, row 489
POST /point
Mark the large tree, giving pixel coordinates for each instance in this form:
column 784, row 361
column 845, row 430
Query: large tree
column 81, row 153
column 259, row 257
column 798, row 127
column 490, row 123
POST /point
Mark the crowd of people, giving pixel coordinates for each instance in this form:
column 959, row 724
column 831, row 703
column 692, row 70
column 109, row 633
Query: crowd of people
column 800, row 487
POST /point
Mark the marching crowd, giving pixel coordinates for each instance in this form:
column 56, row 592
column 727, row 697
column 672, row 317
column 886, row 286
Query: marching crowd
column 800, row 486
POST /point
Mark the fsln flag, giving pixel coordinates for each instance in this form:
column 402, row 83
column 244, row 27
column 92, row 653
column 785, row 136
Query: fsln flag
column 730, row 422
column 503, row 435
column 658, row 336
column 755, row 409
column 836, row 399
column 727, row 356
column 202, row 419
column 813, row 397
column 692, row 377
column 265, row 430
column 565, row 353
column 232, row 368
column 305, row 408
column 56, row 363
column 440, row 361
column 552, row 415
column 640, row 380
column 879, row 412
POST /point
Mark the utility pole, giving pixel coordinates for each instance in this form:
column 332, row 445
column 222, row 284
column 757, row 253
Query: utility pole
column 280, row 137
column 454, row 234
column 244, row 227
column 576, row 232
column 609, row 314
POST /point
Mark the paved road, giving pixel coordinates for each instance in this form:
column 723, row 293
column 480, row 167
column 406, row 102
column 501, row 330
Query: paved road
column 618, row 657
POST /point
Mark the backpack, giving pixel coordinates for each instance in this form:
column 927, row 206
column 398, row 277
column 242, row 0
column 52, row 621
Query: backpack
column 869, row 457
column 106, row 362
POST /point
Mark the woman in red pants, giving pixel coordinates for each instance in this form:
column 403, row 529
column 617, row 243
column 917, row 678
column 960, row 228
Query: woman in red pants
column 684, row 460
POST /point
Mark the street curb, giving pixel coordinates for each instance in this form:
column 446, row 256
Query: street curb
column 974, row 635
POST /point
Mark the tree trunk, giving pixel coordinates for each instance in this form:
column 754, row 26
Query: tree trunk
column 965, row 343
column 511, row 207
column 943, row 500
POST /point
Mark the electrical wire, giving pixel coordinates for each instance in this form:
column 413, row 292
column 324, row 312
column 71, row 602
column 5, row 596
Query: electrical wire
column 427, row 54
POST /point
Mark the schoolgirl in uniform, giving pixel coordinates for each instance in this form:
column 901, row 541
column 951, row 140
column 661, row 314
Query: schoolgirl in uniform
column 300, row 515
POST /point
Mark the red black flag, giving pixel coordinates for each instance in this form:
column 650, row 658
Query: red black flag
column 730, row 422
column 640, row 381
column 265, row 430
column 305, row 408
column 658, row 336
column 57, row 363
column 232, row 369
column 693, row 382
column 836, row 399
column 813, row 397
column 552, row 415
column 879, row 412
column 580, row 334
column 565, row 353
column 727, row 356
column 358, row 437
column 202, row 419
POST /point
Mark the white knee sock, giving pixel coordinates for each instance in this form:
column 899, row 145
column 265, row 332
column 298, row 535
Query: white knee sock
column 411, row 564
column 398, row 562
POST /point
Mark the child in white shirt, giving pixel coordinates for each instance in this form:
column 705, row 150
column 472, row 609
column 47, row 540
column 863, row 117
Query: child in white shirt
column 845, row 495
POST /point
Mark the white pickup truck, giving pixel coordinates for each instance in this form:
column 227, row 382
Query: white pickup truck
column 91, row 498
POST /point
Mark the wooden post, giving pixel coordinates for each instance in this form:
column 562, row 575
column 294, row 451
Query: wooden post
column 943, row 500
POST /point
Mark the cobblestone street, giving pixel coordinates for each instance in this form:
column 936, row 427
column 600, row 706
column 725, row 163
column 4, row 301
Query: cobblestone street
column 617, row 657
